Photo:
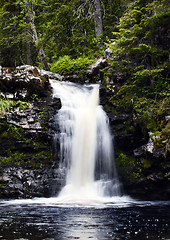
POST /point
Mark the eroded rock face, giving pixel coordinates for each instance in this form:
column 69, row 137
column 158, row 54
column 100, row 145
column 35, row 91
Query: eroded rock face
column 21, row 183
column 94, row 69
column 26, row 162
column 28, row 119
column 143, row 165
column 25, row 80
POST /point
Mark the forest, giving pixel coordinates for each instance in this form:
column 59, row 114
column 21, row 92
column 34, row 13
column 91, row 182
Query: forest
column 66, row 37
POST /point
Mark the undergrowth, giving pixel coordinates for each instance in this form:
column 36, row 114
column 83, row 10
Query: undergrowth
column 66, row 65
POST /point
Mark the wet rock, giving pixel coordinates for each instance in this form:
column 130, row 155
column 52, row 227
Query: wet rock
column 94, row 68
column 26, row 80
column 28, row 119
column 107, row 53
column 148, row 148
column 152, row 187
column 19, row 183
column 0, row 71
column 74, row 79
column 167, row 118
column 25, row 139
column 51, row 75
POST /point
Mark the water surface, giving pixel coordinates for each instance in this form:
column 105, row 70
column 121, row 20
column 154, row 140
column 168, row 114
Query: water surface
column 126, row 221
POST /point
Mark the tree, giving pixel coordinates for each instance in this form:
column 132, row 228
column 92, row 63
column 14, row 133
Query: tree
column 15, row 41
column 98, row 19
column 19, row 33
column 141, row 47
column 9, row 41
column 38, row 30
column 31, row 14
column 91, row 9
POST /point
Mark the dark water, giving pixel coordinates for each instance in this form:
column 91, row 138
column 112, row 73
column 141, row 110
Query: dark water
column 35, row 222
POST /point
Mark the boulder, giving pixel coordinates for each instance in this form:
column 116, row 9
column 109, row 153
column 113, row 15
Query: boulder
column 93, row 70
column 26, row 80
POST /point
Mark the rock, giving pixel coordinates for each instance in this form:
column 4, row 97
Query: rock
column 26, row 133
column 94, row 68
column 51, row 75
column 25, row 80
column 167, row 118
column 19, row 183
column 28, row 119
column 107, row 53
column 74, row 79
column 0, row 71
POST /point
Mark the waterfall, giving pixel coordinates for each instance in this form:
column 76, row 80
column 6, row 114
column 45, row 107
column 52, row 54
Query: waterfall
column 86, row 167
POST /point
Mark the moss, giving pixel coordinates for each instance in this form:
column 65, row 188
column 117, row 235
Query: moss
column 12, row 159
column 26, row 160
column 15, row 132
column 138, row 174
column 20, row 149
column 130, row 169
column 7, row 104
column 167, row 176
column 161, row 139
column 125, row 166
column 147, row 163
column 44, row 115
column 35, row 97
column 22, row 105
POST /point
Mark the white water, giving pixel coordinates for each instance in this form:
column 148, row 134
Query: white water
column 86, row 150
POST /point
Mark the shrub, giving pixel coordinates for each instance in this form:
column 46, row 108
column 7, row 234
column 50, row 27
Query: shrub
column 66, row 65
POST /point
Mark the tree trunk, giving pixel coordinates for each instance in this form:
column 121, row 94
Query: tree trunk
column 31, row 14
column 28, row 52
column 98, row 19
column 28, row 48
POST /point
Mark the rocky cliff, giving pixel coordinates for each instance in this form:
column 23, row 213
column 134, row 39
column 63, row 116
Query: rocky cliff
column 27, row 164
column 142, row 156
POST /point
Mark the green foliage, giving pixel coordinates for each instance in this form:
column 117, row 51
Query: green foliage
column 124, row 159
column 129, row 168
column 22, row 105
column 63, row 28
column 13, row 31
column 5, row 105
column 138, row 174
column 161, row 139
column 13, row 158
column 21, row 159
column 35, row 97
column 15, row 132
column 138, row 44
column 66, row 65
column 140, row 64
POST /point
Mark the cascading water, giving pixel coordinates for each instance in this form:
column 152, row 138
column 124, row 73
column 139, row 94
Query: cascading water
column 86, row 151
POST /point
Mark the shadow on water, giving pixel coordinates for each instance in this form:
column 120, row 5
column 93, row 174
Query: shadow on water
column 35, row 222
